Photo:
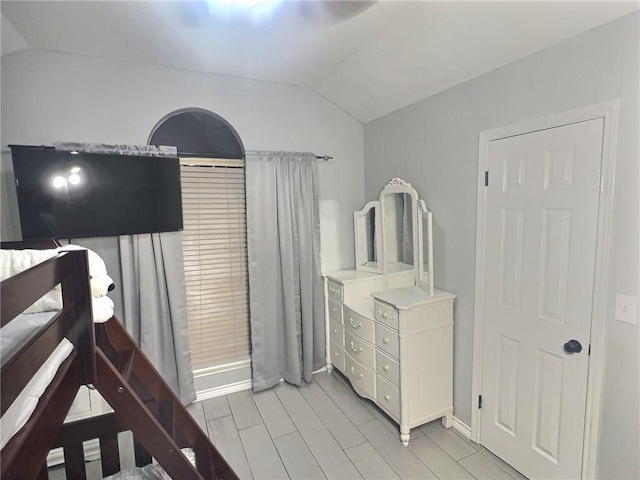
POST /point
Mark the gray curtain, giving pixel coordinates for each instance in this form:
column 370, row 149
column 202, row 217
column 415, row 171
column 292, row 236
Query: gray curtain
column 153, row 287
column 285, row 285
column 155, row 308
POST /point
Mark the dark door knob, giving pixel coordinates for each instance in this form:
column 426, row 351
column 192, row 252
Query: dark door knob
column 573, row 346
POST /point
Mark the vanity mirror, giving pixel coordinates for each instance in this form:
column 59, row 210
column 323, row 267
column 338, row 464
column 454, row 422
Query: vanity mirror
column 425, row 262
column 393, row 238
column 367, row 237
column 399, row 234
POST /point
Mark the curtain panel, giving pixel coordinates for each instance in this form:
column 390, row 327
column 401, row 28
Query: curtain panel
column 155, row 305
column 153, row 286
column 285, row 284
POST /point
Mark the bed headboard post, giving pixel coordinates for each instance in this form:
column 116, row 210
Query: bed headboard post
column 76, row 291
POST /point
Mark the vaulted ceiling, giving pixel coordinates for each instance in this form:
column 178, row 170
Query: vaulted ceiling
column 369, row 58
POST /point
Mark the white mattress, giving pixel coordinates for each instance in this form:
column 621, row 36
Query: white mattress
column 12, row 337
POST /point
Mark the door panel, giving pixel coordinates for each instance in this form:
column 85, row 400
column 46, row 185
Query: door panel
column 511, row 258
column 547, row 407
column 507, row 394
column 554, row 257
column 541, row 219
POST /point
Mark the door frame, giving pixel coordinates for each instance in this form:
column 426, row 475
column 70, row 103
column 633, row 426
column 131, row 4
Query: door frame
column 608, row 111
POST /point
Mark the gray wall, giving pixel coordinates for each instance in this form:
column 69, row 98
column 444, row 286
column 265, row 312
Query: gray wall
column 434, row 145
column 49, row 97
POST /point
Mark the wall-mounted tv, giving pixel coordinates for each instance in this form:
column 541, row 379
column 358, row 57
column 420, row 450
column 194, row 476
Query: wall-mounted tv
column 65, row 194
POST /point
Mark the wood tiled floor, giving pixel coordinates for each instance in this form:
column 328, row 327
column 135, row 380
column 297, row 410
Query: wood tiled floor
column 324, row 430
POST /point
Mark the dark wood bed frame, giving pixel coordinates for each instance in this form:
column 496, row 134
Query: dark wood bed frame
column 107, row 358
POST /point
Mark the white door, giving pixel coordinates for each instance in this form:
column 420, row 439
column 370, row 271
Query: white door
column 541, row 219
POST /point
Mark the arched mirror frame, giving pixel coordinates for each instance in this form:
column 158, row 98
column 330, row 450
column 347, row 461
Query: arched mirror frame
column 399, row 186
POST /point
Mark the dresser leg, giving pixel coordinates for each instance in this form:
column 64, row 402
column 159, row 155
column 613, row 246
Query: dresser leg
column 329, row 368
column 405, row 435
column 447, row 420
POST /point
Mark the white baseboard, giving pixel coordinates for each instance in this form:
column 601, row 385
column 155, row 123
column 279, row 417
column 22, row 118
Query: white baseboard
column 223, row 390
column 231, row 387
column 462, row 427
column 222, row 378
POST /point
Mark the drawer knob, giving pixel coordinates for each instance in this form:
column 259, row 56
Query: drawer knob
column 383, row 314
column 335, row 354
column 385, row 340
column 386, row 368
column 387, row 397
column 353, row 325
column 335, row 330
column 333, row 309
column 355, row 350
column 356, row 375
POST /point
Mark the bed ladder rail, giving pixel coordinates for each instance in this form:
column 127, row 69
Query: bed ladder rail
column 161, row 425
column 72, row 435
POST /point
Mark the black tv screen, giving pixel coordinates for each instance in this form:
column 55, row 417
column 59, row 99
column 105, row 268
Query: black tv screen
column 75, row 195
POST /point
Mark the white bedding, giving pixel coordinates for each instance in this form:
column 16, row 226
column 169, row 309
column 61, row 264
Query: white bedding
column 18, row 332
column 12, row 337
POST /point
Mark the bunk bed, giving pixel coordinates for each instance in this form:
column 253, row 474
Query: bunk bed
column 101, row 356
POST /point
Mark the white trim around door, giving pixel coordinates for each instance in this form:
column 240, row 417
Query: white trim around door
column 609, row 112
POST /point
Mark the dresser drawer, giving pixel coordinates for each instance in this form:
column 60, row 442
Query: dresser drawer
column 359, row 349
column 387, row 340
column 335, row 291
column 363, row 327
column 360, row 376
column 337, row 356
column 386, row 314
column 388, row 367
column 335, row 311
column 388, row 397
column 336, row 332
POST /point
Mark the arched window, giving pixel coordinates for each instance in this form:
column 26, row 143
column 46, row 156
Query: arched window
column 214, row 237
column 198, row 133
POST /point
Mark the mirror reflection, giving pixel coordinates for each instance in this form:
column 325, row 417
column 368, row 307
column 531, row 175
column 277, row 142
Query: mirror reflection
column 398, row 221
column 425, row 251
column 426, row 254
column 366, row 243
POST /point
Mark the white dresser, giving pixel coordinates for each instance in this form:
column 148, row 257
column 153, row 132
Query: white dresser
column 395, row 348
column 389, row 331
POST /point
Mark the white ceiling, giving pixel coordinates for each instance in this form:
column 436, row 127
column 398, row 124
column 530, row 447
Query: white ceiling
column 368, row 58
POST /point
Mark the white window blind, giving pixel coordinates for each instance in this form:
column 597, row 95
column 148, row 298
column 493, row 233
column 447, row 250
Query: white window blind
column 215, row 257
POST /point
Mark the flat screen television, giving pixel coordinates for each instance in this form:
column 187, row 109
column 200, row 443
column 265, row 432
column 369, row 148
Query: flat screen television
column 76, row 195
